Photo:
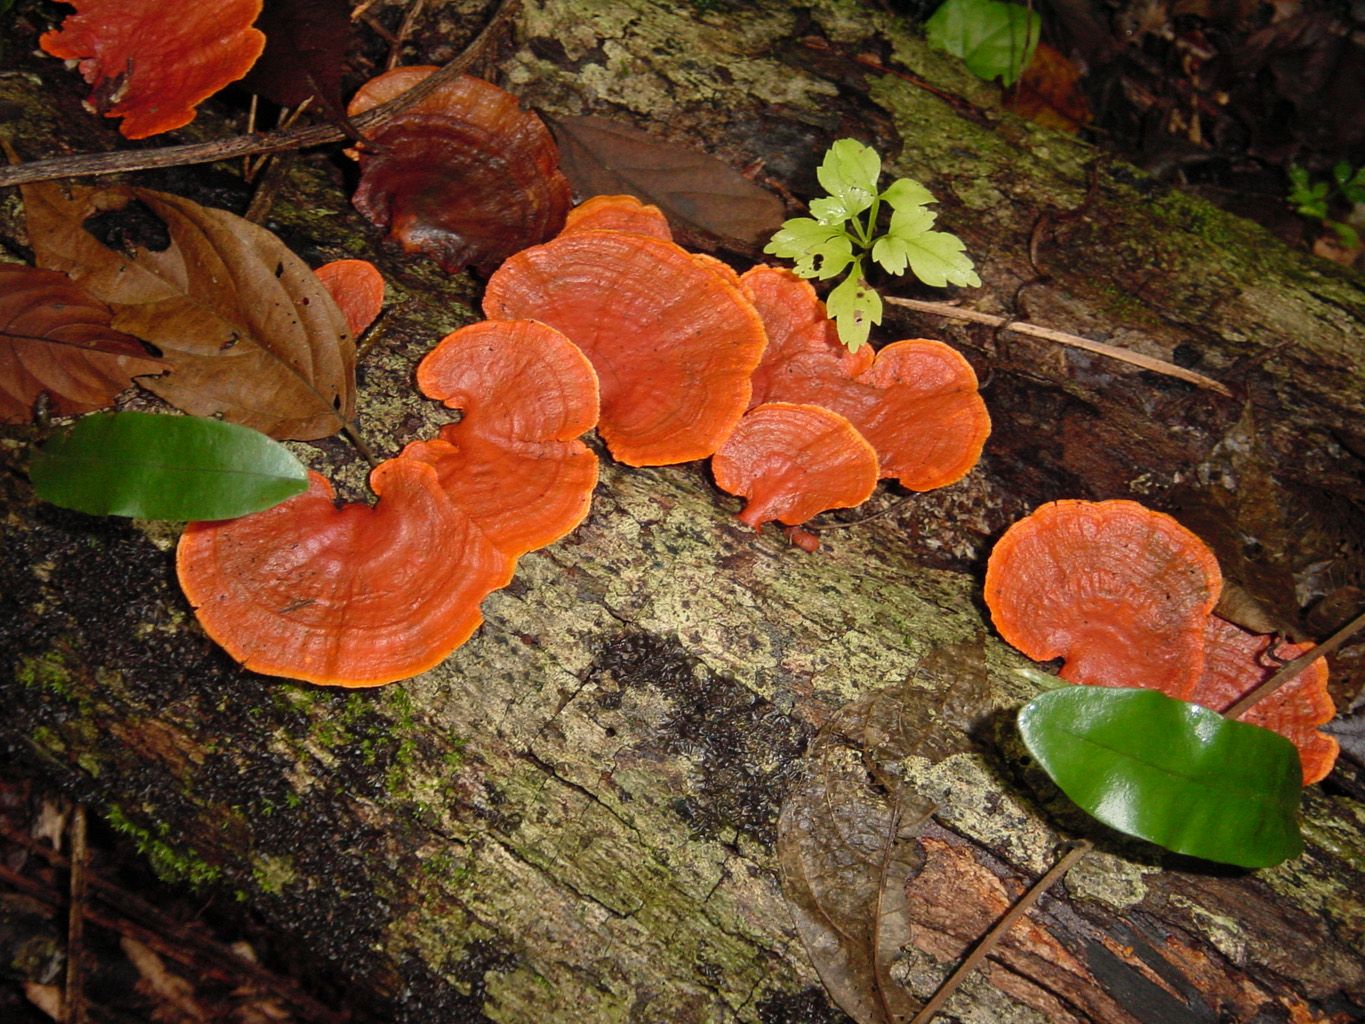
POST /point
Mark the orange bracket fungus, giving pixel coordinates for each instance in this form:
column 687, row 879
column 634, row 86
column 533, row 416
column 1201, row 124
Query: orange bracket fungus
column 465, row 175
column 618, row 213
column 1119, row 591
column 793, row 462
column 351, row 596
column 513, row 463
column 357, row 287
column 672, row 340
column 916, row 401
column 151, row 62
column 1236, row 662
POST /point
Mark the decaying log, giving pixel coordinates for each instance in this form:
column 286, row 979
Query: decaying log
column 573, row 818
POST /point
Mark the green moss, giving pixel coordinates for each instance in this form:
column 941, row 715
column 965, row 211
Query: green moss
column 47, row 671
column 170, row 864
column 273, row 874
column 47, row 740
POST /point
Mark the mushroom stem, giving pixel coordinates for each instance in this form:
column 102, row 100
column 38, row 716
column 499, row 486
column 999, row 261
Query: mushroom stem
column 1062, row 338
column 85, row 164
column 1286, row 674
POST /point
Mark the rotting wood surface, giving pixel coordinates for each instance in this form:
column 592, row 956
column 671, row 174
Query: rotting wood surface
column 573, row 818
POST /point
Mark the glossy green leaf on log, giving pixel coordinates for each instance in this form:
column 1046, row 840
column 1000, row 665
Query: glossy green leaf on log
column 165, row 467
column 1174, row 773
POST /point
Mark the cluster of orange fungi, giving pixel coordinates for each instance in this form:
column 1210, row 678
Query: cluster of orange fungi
column 669, row 354
column 1125, row 596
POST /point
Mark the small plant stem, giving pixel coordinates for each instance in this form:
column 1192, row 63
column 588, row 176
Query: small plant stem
column 1062, row 338
column 86, row 164
column 998, row 931
column 1287, row 674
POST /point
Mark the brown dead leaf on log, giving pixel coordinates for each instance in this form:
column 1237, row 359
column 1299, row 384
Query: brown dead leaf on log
column 246, row 329
column 55, row 339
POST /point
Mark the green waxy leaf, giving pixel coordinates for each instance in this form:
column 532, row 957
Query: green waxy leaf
column 164, row 467
column 820, row 250
column 1174, row 773
column 996, row 40
column 849, row 174
column 854, row 306
column 936, row 257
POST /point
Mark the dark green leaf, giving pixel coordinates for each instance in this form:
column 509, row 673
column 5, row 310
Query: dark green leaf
column 1173, row 773
column 996, row 40
column 165, row 467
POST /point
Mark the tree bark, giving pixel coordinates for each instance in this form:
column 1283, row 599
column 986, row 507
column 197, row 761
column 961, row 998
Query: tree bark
column 574, row 817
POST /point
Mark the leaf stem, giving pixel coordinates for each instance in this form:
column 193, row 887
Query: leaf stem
column 998, row 931
column 1290, row 671
column 352, row 433
column 85, row 164
column 943, row 309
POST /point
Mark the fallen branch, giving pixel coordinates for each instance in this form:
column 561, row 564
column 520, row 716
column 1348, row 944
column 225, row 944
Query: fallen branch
column 1062, row 338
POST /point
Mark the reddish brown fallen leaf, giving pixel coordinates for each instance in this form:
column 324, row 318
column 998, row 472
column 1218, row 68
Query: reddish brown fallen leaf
column 55, row 338
column 672, row 340
column 617, row 213
column 696, row 191
column 1049, row 92
column 916, row 401
column 246, row 329
column 1120, row 591
column 513, row 462
column 151, row 62
column 793, row 462
column 465, row 175
column 351, row 596
column 357, row 287
column 1237, row 661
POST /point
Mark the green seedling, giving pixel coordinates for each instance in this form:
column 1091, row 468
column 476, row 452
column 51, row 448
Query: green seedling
column 1315, row 199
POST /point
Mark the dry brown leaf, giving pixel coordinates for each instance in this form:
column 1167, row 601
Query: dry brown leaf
column 247, row 330
column 696, row 191
column 55, row 338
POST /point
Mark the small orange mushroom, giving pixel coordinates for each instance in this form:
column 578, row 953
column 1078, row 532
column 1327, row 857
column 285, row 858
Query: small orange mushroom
column 793, row 462
column 152, row 63
column 357, row 287
column 1237, row 661
column 618, row 213
column 673, row 341
column 464, row 175
column 513, row 462
column 1119, row 591
column 916, row 401
column 351, row 596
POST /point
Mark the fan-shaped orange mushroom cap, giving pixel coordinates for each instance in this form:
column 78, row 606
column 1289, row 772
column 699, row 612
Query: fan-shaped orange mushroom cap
column 351, row 596
column 672, row 341
column 357, row 287
column 1118, row 590
column 513, row 462
column 793, row 462
column 618, row 213
column 152, row 64
column 464, row 175
column 1236, row 662
column 916, row 401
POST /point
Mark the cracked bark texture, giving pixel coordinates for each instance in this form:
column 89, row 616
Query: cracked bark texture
column 573, row 818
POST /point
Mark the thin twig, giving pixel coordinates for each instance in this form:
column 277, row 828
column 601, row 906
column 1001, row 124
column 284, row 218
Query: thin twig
column 1287, row 674
column 998, row 931
column 1062, row 338
column 73, row 999
column 88, row 164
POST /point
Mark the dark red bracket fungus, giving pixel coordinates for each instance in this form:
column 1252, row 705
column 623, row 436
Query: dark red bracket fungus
column 618, row 213
column 915, row 401
column 672, row 340
column 464, row 175
column 357, row 287
column 152, row 63
column 793, row 462
column 1236, row 662
column 351, row 596
column 513, row 462
column 1119, row 591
